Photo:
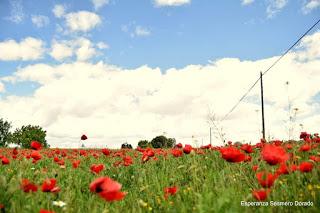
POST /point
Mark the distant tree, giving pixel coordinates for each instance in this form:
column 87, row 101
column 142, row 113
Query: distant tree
column 159, row 142
column 126, row 146
column 5, row 127
column 24, row 135
column 171, row 142
column 143, row 143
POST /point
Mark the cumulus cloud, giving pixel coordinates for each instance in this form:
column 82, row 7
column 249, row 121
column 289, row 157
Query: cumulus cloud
column 27, row 49
column 59, row 10
column 81, row 47
column 113, row 105
column 99, row 3
column 82, row 21
column 16, row 13
column 246, row 2
column 275, row 6
column 61, row 50
column 310, row 5
column 162, row 3
column 40, row 20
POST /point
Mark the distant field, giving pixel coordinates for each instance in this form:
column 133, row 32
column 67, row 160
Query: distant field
column 210, row 179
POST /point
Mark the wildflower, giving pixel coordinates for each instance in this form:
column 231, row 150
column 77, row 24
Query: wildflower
column 84, row 137
column 106, row 152
column 306, row 167
column 27, row 186
column 170, row 191
column 35, row 145
column 260, row 194
column 187, row 149
column 305, row 148
column 96, row 168
column 107, row 188
column 45, row 211
column 5, row 161
column 49, row 185
column 231, row 154
column 266, row 179
column 59, row 203
column 176, row 152
column 274, row 154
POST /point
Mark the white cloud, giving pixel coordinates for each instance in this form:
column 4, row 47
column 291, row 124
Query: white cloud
column 113, row 105
column 275, row 6
column 82, row 48
column 59, row 10
column 40, row 20
column 247, row 2
column 141, row 31
column 101, row 45
column 310, row 5
column 135, row 30
column 99, row 3
column 16, row 13
column 28, row 49
column 60, row 50
column 162, row 3
column 2, row 87
column 82, row 21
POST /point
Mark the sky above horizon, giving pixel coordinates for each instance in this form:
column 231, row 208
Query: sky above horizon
column 129, row 70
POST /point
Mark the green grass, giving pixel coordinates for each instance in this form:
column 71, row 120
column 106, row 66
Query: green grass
column 206, row 183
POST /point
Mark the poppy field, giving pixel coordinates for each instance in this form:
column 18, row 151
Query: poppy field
column 269, row 176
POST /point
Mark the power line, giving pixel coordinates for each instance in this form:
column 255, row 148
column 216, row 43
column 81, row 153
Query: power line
column 267, row 70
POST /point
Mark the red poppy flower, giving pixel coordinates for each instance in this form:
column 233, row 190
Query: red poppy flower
column 305, row 148
column 107, row 188
column 127, row 161
column 105, row 151
column 232, row 154
column 247, row 148
column 96, row 168
column 45, row 211
column 314, row 158
column 176, row 152
column 304, row 135
column 306, row 167
column 255, row 167
column 76, row 163
column 266, row 179
column 36, row 155
column 283, row 169
column 15, row 151
column 84, row 137
column 170, row 191
column 27, row 186
column 260, row 194
column 179, row 145
column 49, row 185
column 273, row 154
column 35, row 145
column 5, row 161
column 1, row 206
column 187, row 149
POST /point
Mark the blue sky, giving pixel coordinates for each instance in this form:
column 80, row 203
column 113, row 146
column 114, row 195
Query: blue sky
column 180, row 35
column 42, row 42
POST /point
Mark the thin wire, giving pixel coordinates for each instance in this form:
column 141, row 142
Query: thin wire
column 272, row 65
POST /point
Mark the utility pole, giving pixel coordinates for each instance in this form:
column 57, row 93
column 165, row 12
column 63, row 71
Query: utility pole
column 210, row 135
column 262, row 107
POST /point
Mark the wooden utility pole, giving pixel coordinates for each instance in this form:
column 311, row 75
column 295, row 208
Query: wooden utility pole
column 262, row 107
column 210, row 135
